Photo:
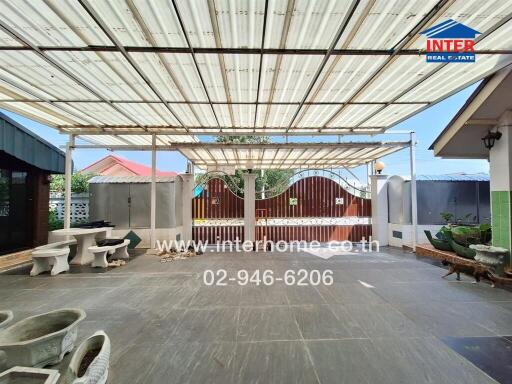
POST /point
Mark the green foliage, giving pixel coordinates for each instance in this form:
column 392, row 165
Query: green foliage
column 450, row 218
column 447, row 216
column 4, row 189
column 53, row 221
column 445, row 233
column 275, row 180
column 465, row 235
column 485, row 233
column 79, row 183
column 243, row 139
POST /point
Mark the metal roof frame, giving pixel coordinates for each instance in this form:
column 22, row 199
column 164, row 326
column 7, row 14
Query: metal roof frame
column 291, row 106
column 269, row 155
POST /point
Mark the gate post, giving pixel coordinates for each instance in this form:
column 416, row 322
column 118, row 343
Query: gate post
column 379, row 192
column 250, row 207
column 186, row 206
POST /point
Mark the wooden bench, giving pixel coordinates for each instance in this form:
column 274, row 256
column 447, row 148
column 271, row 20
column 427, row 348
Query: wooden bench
column 118, row 251
column 50, row 259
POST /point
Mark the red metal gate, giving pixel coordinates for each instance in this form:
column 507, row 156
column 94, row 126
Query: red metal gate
column 312, row 208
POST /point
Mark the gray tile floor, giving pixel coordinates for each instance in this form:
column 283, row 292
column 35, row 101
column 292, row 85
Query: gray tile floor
column 166, row 326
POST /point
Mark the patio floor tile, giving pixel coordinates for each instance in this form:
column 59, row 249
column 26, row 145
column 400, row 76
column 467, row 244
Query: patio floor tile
column 381, row 321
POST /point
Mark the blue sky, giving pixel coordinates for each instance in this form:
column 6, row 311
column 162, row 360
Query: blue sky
column 427, row 124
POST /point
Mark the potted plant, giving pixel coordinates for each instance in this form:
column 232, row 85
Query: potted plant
column 492, row 257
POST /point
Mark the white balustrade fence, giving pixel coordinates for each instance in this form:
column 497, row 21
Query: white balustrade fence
column 79, row 206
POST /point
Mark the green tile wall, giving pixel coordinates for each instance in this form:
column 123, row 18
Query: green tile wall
column 501, row 210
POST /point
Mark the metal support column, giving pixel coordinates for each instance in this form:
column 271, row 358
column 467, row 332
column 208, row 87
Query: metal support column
column 414, row 200
column 153, row 193
column 67, row 181
column 368, row 174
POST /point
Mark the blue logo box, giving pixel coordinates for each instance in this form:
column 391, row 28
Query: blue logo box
column 450, row 57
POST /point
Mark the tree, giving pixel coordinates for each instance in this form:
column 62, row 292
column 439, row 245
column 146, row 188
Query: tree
column 275, row 180
column 79, row 183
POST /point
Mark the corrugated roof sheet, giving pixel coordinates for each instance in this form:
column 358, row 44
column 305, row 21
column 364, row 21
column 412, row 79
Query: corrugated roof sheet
column 219, row 156
column 130, row 179
column 453, row 177
column 26, row 146
column 142, row 65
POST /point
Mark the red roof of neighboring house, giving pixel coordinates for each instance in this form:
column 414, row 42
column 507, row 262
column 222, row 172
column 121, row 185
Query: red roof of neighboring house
column 117, row 166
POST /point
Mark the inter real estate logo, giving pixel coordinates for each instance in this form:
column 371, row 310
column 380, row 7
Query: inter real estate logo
column 450, row 42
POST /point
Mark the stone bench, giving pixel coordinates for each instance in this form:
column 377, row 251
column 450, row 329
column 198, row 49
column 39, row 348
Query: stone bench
column 58, row 244
column 118, row 251
column 50, row 259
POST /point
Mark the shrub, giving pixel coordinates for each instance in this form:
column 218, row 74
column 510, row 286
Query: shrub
column 53, row 221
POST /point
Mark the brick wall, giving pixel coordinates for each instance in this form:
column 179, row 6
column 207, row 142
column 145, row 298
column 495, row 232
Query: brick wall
column 41, row 193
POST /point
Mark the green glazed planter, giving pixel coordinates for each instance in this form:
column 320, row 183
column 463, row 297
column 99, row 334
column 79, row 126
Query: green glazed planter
column 463, row 251
column 442, row 245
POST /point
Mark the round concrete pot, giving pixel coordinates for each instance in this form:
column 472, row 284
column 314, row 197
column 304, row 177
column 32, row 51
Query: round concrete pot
column 492, row 257
column 90, row 362
column 41, row 340
column 5, row 318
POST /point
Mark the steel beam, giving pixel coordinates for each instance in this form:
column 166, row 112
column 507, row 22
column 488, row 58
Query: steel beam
column 56, row 100
column 242, row 51
column 7, row 29
column 100, row 23
column 414, row 198
column 325, row 59
column 68, row 173
column 153, row 194
column 411, row 36
column 192, row 51
column 261, row 62
column 210, row 146
column 431, row 73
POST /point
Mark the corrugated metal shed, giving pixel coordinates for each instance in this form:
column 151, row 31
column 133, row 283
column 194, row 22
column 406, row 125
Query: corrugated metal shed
column 129, row 179
column 26, row 146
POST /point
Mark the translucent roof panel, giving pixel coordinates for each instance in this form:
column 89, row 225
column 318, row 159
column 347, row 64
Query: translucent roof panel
column 173, row 75
column 52, row 23
column 343, row 75
column 387, row 22
column 479, row 15
column 141, row 22
column 109, row 73
column 351, row 115
column 446, row 80
column 205, row 65
column 399, row 75
column 49, row 114
column 136, row 140
column 390, row 115
column 312, row 24
column 287, row 156
column 314, row 115
column 293, row 73
column 29, row 70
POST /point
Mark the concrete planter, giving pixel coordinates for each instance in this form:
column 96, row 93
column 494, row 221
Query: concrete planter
column 491, row 257
column 5, row 318
column 90, row 362
column 29, row 375
column 39, row 340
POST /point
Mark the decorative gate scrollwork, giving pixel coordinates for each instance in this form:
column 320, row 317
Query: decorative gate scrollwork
column 314, row 205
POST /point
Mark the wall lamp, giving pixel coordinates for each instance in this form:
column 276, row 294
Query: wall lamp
column 491, row 138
